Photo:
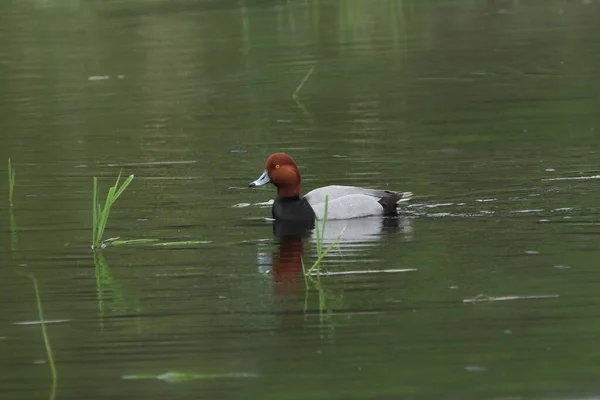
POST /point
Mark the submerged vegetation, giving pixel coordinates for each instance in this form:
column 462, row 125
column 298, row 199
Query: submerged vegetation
column 101, row 214
column 11, row 182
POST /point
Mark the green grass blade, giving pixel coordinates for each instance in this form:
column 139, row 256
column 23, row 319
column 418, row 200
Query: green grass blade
column 122, row 188
column 95, row 211
column 319, row 239
column 104, row 214
column 304, row 275
column 101, row 214
column 119, row 177
column 324, row 218
column 116, row 185
column 320, row 229
column 322, row 255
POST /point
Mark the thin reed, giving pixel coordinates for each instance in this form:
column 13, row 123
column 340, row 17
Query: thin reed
column 320, row 234
column 100, row 214
column 11, row 182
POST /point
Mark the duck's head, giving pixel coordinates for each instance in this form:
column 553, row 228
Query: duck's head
column 281, row 170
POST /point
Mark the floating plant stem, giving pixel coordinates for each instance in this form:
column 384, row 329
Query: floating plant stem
column 133, row 241
column 295, row 94
column 100, row 214
column 176, row 377
column 153, row 242
column 185, row 243
column 11, row 182
column 484, row 297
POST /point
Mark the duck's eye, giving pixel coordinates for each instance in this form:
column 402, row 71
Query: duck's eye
column 277, row 166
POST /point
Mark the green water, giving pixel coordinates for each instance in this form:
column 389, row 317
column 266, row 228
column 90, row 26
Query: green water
column 475, row 106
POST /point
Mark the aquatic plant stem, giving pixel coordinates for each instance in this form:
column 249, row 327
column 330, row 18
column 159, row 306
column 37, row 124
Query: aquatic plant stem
column 320, row 233
column 100, row 214
column 94, row 211
column 295, row 94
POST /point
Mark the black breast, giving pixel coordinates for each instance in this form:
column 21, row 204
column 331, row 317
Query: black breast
column 292, row 209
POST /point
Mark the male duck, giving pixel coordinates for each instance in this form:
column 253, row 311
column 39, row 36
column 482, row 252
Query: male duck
column 344, row 202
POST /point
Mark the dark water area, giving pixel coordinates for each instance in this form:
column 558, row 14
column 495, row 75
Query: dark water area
column 487, row 110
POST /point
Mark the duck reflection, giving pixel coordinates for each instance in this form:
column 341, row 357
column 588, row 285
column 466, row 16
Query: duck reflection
column 287, row 265
column 354, row 236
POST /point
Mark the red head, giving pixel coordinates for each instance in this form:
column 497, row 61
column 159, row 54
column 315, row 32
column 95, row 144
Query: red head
column 282, row 171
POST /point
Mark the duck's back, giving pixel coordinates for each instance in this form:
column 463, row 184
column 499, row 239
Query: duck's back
column 354, row 202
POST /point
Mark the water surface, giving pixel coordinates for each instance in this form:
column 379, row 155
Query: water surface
column 487, row 111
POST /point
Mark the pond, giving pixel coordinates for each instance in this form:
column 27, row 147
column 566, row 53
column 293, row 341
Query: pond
column 486, row 110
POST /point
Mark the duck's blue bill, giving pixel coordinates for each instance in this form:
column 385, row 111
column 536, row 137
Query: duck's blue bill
column 263, row 180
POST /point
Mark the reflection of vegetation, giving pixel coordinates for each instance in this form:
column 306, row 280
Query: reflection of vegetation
column 100, row 215
column 105, row 284
column 355, row 19
column 11, row 188
column 11, row 182
column 313, row 275
column 327, row 301
column 46, row 337
column 13, row 230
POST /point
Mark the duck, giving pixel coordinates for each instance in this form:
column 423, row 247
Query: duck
column 343, row 202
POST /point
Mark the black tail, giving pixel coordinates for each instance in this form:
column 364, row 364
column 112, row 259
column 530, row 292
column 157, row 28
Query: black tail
column 389, row 201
